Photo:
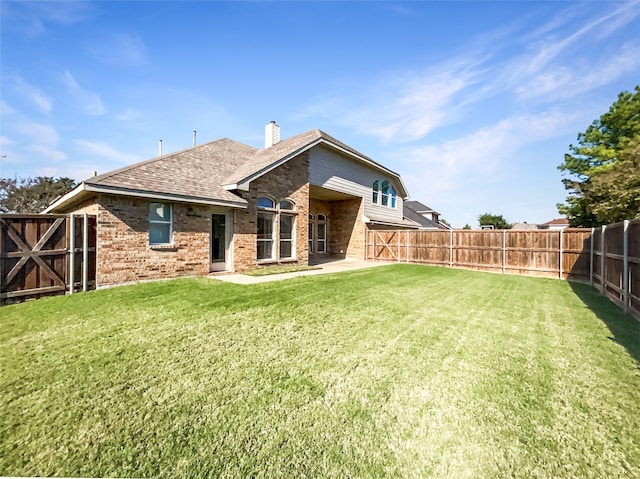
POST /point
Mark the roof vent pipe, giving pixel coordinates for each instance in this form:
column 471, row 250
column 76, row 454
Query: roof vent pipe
column 159, row 147
column 271, row 134
column 194, row 137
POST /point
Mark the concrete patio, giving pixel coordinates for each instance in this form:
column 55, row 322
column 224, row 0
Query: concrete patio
column 325, row 267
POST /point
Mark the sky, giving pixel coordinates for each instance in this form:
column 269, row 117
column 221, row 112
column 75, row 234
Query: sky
column 474, row 104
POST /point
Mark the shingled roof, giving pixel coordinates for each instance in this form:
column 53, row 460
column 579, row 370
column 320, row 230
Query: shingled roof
column 412, row 210
column 206, row 173
column 195, row 172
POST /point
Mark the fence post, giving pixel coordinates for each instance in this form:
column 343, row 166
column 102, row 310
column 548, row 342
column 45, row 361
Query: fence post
column 625, row 267
column 373, row 256
column 85, row 254
column 603, row 263
column 72, row 253
column 451, row 248
column 504, row 250
column 399, row 249
column 593, row 231
column 560, row 265
column 407, row 235
column 366, row 244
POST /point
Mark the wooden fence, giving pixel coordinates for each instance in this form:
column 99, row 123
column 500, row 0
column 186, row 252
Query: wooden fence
column 43, row 255
column 574, row 254
column 615, row 263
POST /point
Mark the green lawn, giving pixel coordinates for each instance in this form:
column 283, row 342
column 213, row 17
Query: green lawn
column 395, row 371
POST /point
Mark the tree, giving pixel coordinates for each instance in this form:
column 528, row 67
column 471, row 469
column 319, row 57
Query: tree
column 32, row 195
column 596, row 163
column 498, row 221
column 618, row 190
column 466, row 227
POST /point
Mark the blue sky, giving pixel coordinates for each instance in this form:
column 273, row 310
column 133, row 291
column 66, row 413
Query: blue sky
column 473, row 103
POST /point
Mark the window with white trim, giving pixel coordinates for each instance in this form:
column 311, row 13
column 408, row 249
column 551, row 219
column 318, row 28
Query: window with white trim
column 276, row 230
column 383, row 194
column 160, row 223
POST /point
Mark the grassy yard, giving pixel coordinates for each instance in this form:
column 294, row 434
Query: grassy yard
column 395, row 371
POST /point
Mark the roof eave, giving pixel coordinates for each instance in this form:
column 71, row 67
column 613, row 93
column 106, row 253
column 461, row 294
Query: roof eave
column 115, row 190
column 67, row 198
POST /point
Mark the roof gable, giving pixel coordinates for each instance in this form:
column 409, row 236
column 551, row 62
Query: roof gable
column 263, row 161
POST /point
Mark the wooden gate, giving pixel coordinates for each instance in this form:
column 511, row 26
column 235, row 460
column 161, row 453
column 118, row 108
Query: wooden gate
column 39, row 255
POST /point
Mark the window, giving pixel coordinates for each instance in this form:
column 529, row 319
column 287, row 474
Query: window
column 383, row 194
column 310, row 233
column 276, row 227
column 265, row 235
column 264, row 202
column 286, row 236
column 159, row 223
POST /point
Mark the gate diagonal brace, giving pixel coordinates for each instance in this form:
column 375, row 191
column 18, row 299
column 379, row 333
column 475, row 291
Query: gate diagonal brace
column 33, row 253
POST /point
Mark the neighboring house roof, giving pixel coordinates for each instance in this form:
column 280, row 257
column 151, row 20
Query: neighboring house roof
column 207, row 173
column 420, row 207
column 405, row 223
column 412, row 210
column 558, row 222
column 524, row 226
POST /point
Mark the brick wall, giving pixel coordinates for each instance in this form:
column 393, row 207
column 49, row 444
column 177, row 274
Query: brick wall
column 348, row 229
column 288, row 181
column 123, row 251
column 345, row 229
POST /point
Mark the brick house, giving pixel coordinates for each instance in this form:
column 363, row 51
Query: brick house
column 226, row 206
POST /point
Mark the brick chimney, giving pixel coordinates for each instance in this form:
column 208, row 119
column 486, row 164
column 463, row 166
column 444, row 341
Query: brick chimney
column 271, row 134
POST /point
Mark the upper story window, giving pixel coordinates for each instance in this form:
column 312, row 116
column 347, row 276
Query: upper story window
column 383, row 194
column 160, row 223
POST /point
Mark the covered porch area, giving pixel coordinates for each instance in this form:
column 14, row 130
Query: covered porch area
column 336, row 228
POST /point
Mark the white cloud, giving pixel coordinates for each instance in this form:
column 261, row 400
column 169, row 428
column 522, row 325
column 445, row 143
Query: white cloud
column 564, row 82
column 4, row 141
column 128, row 114
column 32, row 18
column 45, row 153
column 478, row 156
column 549, row 65
column 88, row 101
column 406, row 106
column 120, row 49
column 5, row 109
column 39, row 133
column 34, row 95
column 102, row 150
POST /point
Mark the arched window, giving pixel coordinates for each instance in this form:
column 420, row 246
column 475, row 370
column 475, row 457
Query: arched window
column 383, row 193
column 276, row 229
column 265, row 202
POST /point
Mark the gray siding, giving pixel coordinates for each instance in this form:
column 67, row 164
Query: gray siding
column 330, row 170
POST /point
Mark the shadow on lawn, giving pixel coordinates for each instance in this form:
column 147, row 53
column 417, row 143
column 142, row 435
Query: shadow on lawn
column 625, row 329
